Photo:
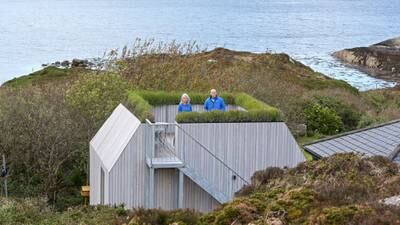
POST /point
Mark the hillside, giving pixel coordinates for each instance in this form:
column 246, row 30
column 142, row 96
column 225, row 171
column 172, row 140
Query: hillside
column 47, row 118
column 342, row 189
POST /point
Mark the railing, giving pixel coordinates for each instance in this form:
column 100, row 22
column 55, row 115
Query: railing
column 211, row 153
column 162, row 136
column 170, row 139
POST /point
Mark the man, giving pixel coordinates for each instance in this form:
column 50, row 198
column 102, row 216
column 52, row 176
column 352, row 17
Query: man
column 214, row 102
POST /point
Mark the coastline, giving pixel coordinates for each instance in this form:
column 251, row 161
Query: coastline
column 381, row 60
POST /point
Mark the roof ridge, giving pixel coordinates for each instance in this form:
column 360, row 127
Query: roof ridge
column 352, row 132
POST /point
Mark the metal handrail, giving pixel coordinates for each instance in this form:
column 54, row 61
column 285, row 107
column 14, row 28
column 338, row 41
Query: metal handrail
column 202, row 146
column 211, row 153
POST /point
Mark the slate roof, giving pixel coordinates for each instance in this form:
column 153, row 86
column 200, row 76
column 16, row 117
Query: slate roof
column 112, row 138
column 383, row 139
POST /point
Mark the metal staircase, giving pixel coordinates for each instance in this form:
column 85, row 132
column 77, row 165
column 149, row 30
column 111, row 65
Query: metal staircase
column 162, row 153
column 205, row 184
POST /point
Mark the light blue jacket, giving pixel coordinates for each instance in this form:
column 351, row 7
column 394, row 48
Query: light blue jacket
column 184, row 108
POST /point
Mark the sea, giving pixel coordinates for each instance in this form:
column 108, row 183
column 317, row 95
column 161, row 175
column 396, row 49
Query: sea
column 37, row 32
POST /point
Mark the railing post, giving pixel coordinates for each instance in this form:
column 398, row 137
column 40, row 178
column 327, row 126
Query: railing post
column 150, row 136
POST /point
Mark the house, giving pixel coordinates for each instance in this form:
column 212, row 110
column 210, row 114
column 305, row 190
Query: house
column 382, row 140
column 170, row 165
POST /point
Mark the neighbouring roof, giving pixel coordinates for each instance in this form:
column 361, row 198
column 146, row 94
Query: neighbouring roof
column 383, row 139
column 112, row 138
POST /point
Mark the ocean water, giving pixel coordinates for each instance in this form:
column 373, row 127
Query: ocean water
column 43, row 31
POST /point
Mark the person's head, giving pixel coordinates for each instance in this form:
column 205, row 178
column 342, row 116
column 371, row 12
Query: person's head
column 213, row 93
column 185, row 99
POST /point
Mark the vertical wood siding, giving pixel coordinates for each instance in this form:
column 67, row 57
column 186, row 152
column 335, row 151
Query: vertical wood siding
column 167, row 113
column 166, row 188
column 95, row 165
column 245, row 147
column 196, row 198
column 128, row 176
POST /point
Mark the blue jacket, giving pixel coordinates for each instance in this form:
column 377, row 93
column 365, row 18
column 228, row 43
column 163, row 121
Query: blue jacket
column 184, row 108
column 214, row 104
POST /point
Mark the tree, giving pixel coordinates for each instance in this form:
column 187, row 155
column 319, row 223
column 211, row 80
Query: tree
column 95, row 97
column 42, row 138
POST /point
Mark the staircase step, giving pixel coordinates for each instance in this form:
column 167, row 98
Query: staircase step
column 164, row 162
column 205, row 184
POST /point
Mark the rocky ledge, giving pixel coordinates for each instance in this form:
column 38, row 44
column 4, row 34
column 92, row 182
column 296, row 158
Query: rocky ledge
column 92, row 63
column 381, row 60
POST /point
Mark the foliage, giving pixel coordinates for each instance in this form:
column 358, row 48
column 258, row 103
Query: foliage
column 96, row 96
column 249, row 103
column 323, row 120
column 141, row 108
column 275, row 196
column 35, row 211
column 299, row 195
column 348, row 114
column 41, row 137
column 233, row 116
column 156, row 98
column 275, row 79
column 162, row 217
column 257, row 110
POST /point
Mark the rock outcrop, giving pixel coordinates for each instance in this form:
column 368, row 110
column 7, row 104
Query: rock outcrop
column 381, row 60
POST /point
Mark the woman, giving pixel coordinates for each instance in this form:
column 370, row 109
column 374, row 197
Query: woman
column 184, row 105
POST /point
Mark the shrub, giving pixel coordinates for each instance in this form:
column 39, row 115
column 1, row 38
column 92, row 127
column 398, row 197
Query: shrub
column 96, row 96
column 228, row 117
column 140, row 107
column 348, row 114
column 156, row 98
column 249, row 103
column 257, row 111
column 44, row 142
column 323, row 120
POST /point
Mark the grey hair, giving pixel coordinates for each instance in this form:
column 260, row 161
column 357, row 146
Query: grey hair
column 185, row 95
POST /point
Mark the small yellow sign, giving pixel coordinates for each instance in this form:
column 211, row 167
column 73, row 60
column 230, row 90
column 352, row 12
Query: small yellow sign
column 85, row 191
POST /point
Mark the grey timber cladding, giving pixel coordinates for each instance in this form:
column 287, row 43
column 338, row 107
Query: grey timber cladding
column 114, row 135
column 128, row 176
column 377, row 140
column 167, row 113
column 119, row 149
column 245, row 147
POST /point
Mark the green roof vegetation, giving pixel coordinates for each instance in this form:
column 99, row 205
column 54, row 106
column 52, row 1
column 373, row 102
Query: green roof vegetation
column 157, row 98
column 256, row 111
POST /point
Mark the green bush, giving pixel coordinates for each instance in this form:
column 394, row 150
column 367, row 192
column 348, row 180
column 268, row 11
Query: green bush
column 156, row 98
column 228, row 116
column 96, row 96
column 140, row 101
column 140, row 107
column 349, row 115
column 323, row 120
column 257, row 111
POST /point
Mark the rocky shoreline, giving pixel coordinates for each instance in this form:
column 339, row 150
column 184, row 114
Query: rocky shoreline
column 91, row 63
column 381, row 60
